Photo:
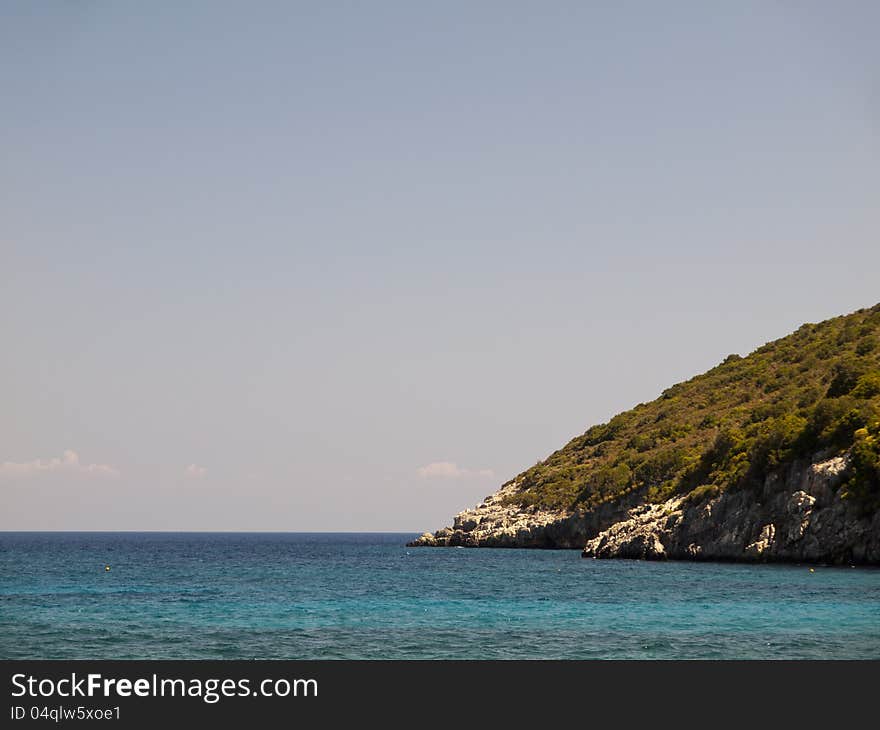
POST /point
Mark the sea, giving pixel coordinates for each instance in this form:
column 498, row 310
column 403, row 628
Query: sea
column 368, row 596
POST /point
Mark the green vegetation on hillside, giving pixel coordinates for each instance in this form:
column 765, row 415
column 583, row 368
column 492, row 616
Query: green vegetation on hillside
column 815, row 391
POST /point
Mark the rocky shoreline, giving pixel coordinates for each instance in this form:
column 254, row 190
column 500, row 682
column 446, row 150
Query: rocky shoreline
column 798, row 516
column 497, row 523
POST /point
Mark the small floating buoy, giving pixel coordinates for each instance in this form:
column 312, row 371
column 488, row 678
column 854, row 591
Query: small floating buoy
column 106, row 568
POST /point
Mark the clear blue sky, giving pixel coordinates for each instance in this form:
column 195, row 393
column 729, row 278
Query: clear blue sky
column 341, row 266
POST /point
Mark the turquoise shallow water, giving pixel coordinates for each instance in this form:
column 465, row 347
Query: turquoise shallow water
column 360, row 596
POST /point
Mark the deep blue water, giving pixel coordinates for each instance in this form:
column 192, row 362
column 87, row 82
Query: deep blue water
column 198, row 595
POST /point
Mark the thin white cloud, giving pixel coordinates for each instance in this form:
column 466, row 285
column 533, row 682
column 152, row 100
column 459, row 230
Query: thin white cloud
column 194, row 471
column 451, row 470
column 69, row 463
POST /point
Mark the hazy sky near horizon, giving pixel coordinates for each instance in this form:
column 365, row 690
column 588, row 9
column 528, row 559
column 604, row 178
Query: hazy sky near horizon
column 350, row 266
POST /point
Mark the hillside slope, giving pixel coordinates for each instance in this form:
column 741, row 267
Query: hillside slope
column 751, row 432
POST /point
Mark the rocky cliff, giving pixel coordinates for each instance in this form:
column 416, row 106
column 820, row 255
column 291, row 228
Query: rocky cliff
column 496, row 522
column 797, row 516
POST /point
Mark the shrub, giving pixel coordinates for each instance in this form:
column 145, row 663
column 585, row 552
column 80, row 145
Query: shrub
column 863, row 485
column 703, row 493
column 867, row 386
column 845, row 375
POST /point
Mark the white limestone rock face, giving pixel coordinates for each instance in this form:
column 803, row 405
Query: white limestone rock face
column 496, row 523
column 797, row 517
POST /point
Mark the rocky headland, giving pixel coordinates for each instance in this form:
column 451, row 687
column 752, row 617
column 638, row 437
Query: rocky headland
column 770, row 457
column 497, row 522
column 798, row 516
